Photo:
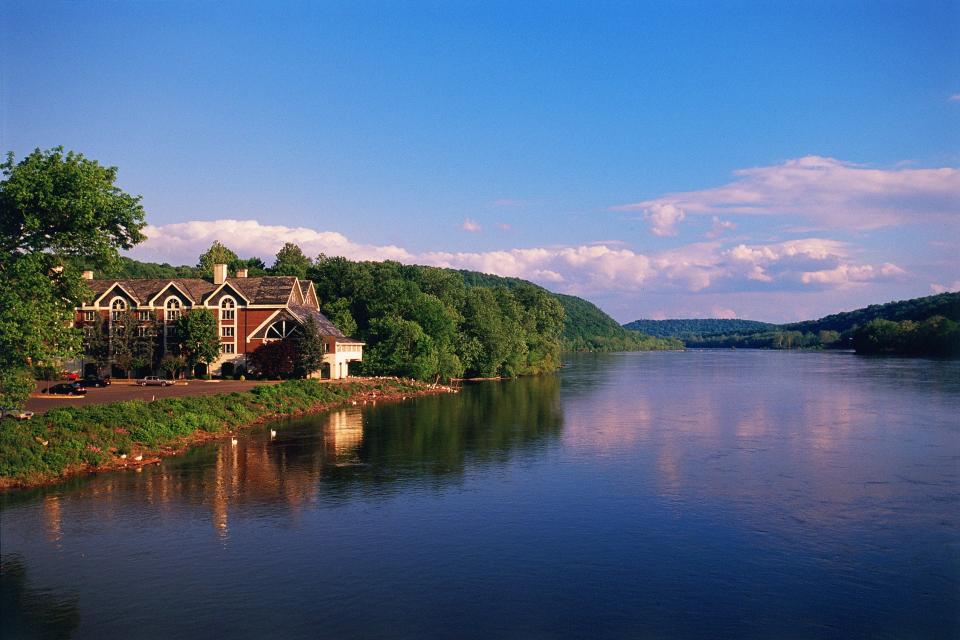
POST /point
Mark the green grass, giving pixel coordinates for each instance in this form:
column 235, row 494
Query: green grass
column 64, row 440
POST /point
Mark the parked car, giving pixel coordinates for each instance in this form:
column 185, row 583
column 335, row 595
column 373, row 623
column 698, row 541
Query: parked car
column 154, row 381
column 94, row 381
column 16, row 414
column 69, row 375
column 67, row 389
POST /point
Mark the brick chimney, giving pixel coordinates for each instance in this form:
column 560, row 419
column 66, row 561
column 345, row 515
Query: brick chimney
column 241, row 273
column 88, row 275
column 219, row 273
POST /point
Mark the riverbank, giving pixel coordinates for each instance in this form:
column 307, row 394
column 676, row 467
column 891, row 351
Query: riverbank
column 73, row 440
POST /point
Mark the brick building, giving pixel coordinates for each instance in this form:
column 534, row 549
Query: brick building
column 250, row 311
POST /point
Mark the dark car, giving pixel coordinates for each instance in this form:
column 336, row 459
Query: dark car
column 68, row 389
column 94, row 381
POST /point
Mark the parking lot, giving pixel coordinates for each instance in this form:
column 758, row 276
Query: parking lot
column 122, row 391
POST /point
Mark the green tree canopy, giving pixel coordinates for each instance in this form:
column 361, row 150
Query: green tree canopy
column 197, row 337
column 66, row 205
column 57, row 210
column 309, row 348
column 290, row 261
column 218, row 254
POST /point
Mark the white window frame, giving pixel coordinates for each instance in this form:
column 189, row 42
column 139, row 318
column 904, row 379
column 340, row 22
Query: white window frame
column 116, row 310
column 227, row 332
column 228, row 311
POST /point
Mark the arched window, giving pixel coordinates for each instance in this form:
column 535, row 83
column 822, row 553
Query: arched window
column 173, row 309
column 117, row 307
column 227, row 309
column 281, row 329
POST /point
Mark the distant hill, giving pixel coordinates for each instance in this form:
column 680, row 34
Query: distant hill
column 916, row 309
column 679, row 328
column 586, row 327
column 921, row 326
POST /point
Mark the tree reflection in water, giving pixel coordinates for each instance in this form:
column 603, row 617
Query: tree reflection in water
column 29, row 612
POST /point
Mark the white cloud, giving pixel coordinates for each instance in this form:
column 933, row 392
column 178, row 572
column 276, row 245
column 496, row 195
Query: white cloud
column 470, row 226
column 663, row 218
column 954, row 98
column 183, row 242
column 940, row 288
column 829, row 191
column 723, row 313
column 719, row 227
column 594, row 269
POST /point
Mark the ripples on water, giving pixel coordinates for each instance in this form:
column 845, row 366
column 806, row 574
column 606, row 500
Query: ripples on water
column 698, row 494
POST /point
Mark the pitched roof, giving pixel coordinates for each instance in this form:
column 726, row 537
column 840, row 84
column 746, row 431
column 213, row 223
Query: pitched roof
column 327, row 328
column 258, row 290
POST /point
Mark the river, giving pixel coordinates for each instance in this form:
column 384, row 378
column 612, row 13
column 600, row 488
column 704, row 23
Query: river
column 702, row 494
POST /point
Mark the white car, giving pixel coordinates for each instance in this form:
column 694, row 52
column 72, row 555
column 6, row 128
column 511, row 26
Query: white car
column 154, row 381
column 17, row 414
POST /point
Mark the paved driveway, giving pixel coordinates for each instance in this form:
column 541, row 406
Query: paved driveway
column 118, row 392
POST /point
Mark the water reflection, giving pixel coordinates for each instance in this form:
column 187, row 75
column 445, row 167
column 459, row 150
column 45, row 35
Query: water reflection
column 332, row 456
column 718, row 494
column 29, row 612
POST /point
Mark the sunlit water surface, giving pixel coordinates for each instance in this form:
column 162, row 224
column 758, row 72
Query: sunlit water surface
column 654, row 495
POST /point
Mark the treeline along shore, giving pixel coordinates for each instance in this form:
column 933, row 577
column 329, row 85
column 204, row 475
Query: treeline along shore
column 927, row 326
column 73, row 440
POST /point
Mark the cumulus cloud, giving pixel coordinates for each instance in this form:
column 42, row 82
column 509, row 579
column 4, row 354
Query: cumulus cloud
column 470, row 226
column 663, row 218
column 183, row 242
column 944, row 288
column 831, row 192
column 592, row 269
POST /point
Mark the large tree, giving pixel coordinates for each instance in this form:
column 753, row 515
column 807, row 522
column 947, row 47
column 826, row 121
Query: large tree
column 197, row 337
column 309, row 348
column 56, row 210
column 218, row 254
column 290, row 261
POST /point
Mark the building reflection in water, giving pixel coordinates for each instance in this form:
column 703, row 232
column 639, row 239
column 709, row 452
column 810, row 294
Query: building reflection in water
column 327, row 458
column 52, row 516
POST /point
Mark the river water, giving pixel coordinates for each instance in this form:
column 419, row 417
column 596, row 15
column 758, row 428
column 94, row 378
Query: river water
column 704, row 494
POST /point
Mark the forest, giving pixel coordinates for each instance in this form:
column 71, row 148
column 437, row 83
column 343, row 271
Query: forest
column 429, row 321
column 919, row 326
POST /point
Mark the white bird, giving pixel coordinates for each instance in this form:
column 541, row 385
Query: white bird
column 233, row 441
column 273, row 434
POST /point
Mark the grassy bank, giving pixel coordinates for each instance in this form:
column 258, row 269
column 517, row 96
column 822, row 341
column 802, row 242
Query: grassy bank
column 66, row 441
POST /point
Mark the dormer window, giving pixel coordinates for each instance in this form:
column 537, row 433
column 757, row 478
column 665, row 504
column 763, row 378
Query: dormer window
column 173, row 309
column 117, row 307
column 227, row 309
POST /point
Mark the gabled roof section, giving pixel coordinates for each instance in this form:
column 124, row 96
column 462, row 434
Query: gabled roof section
column 110, row 285
column 171, row 283
column 227, row 284
column 265, row 289
column 310, row 296
column 327, row 328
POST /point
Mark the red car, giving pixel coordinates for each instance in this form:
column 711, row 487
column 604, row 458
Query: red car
column 69, row 375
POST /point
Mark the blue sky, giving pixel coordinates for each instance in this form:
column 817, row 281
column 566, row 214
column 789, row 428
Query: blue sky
column 772, row 160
